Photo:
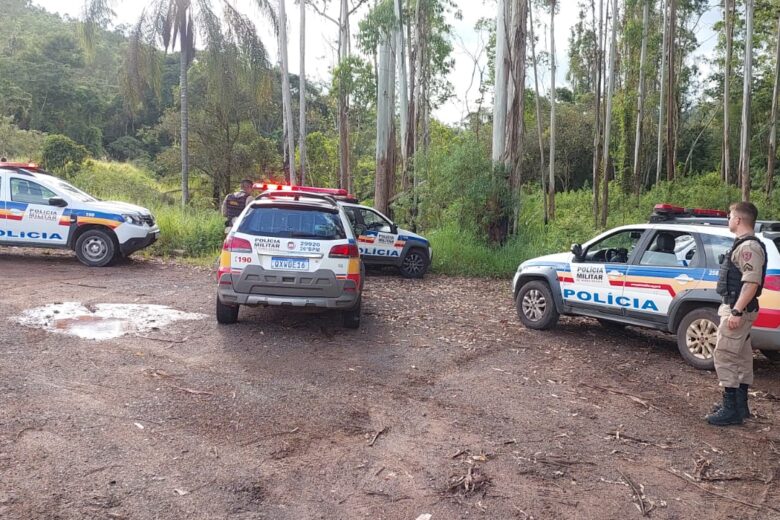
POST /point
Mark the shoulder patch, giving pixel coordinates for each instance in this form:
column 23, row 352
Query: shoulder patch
column 747, row 255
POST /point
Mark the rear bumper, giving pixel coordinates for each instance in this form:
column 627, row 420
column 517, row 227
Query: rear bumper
column 258, row 286
column 765, row 339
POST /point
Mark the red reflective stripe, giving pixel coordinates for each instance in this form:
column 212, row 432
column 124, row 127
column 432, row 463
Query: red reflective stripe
column 567, row 279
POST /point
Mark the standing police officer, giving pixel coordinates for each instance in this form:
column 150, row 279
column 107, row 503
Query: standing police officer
column 742, row 273
column 235, row 203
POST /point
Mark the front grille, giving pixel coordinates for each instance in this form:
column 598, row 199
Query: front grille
column 148, row 220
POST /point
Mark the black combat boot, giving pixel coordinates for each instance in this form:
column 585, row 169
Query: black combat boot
column 728, row 413
column 742, row 402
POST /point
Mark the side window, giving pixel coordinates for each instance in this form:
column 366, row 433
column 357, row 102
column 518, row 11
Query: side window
column 374, row 221
column 670, row 249
column 30, row 192
column 351, row 216
column 615, row 248
column 714, row 247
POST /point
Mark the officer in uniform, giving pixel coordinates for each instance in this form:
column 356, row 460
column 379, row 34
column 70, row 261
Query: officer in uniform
column 235, row 203
column 742, row 273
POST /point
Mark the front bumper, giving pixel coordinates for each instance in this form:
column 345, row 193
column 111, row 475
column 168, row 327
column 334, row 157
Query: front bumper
column 131, row 245
column 257, row 286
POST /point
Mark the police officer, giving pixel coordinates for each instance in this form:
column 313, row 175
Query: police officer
column 235, row 203
column 742, row 273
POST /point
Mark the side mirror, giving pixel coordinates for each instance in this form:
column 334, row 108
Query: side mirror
column 576, row 250
column 58, row 201
column 394, row 229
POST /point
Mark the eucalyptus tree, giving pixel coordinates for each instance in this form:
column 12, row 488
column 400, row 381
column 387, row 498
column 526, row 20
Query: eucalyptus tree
column 641, row 100
column 167, row 23
column 597, row 105
column 500, row 83
column 661, row 98
column 403, row 89
column 608, row 115
column 302, row 95
column 671, row 106
column 770, row 168
column 516, row 97
column 537, row 97
column 744, row 138
column 551, row 185
column 286, row 97
column 729, row 7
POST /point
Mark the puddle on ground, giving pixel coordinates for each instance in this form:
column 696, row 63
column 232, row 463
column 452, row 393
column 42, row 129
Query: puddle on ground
column 104, row 320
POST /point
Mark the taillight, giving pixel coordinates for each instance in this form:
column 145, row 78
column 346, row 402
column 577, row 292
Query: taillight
column 344, row 251
column 237, row 245
column 772, row 283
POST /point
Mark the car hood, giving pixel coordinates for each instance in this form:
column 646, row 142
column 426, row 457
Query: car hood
column 409, row 234
column 112, row 206
column 557, row 258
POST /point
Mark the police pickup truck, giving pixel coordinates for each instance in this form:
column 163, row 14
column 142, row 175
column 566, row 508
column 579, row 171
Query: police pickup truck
column 40, row 210
column 660, row 275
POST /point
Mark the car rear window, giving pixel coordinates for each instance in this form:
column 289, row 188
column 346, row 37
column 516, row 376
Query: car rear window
column 283, row 222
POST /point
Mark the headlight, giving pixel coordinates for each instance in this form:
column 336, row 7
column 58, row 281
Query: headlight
column 133, row 219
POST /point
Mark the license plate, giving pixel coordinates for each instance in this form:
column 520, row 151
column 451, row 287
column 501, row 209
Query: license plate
column 290, row 264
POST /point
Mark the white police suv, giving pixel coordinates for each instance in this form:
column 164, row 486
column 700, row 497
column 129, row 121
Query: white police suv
column 40, row 210
column 660, row 275
column 291, row 249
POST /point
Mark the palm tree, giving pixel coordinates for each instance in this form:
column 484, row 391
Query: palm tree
column 169, row 22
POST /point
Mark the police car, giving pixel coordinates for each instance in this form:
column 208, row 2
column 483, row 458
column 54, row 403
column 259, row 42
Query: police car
column 380, row 241
column 659, row 275
column 291, row 249
column 40, row 210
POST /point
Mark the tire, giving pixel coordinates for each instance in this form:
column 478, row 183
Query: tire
column 536, row 306
column 351, row 318
column 414, row 264
column 772, row 355
column 226, row 314
column 609, row 324
column 96, row 248
column 697, row 334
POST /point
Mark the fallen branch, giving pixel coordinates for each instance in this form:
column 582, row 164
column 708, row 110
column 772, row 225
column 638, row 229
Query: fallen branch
column 636, row 492
column 191, row 391
column 618, row 435
column 164, row 340
column 719, row 495
column 86, row 285
column 376, row 435
column 644, row 402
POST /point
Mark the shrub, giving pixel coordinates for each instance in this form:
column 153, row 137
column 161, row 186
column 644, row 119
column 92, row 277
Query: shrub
column 60, row 150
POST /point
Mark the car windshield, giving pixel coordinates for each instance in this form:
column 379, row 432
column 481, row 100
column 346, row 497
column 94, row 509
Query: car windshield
column 285, row 222
column 74, row 192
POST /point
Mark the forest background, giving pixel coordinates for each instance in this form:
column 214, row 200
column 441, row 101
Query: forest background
column 523, row 172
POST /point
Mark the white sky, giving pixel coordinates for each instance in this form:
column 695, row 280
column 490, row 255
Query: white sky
column 321, row 35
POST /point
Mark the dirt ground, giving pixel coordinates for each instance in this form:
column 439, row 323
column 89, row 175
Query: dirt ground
column 441, row 404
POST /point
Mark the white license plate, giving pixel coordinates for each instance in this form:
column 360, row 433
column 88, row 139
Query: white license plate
column 290, row 264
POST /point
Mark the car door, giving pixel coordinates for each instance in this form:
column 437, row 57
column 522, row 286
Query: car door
column 595, row 287
column 670, row 264
column 30, row 216
column 376, row 237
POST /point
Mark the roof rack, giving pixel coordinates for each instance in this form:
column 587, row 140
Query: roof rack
column 296, row 195
column 671, row 214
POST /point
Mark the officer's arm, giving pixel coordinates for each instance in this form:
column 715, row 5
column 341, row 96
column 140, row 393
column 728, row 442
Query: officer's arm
column 224, row 207
column 748, row 292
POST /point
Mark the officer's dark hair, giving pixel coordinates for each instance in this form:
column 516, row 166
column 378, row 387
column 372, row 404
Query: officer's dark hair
column 746, row 210
column 245, row 181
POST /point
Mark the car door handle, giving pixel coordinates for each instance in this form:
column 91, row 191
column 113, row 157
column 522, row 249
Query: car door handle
column 684, row 278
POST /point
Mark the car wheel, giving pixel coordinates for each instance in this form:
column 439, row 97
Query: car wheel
column 772, row 355
column 414, row 264
column 535, row 306
column 351, row 318
column 609, row 324
column 697, row 335
column 226, row 314
column 96, row 248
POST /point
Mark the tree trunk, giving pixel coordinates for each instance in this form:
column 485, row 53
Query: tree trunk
column 608, row 115
column 403, row 92
column 185, row 127
column 770, row 168
column 661, row 98
column 597, row 109
column 641, row 103
column 728, row 15
column 500, row 84
column 411, row 118
column 671, row 106
column 345, row 177
column 551, row 185
column 744, row 140
column 286, row 96
column 384, row 126
column 516, row 104
column 542, row 172
column 302, row 98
